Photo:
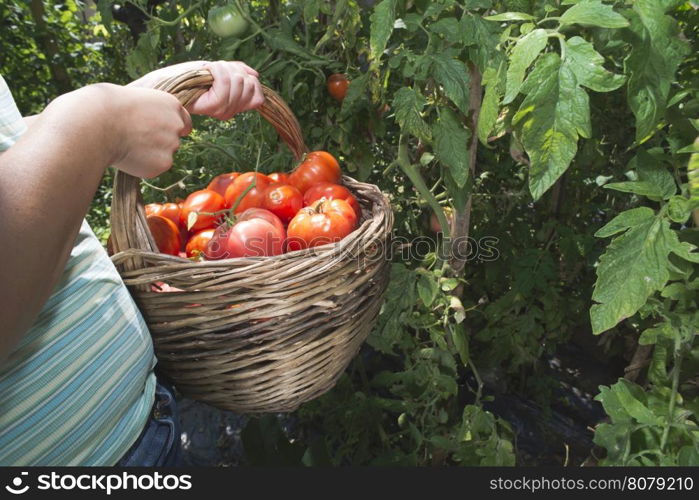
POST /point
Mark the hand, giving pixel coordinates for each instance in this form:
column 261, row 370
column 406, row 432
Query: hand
column 148, row 126
column 235, row 89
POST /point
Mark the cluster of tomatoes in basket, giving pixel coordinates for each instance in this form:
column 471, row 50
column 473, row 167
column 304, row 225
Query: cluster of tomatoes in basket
column 253, row 214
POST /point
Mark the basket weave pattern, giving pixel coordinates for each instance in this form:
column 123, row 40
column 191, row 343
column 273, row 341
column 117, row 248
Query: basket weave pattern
column 255, row 334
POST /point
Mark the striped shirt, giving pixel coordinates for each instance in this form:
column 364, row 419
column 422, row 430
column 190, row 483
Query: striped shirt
column 79, row 386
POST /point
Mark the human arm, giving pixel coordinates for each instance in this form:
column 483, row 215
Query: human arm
column 49, row 177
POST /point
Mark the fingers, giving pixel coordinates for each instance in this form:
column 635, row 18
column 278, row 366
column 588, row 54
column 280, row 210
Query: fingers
column 186, row 121
column 235, row 89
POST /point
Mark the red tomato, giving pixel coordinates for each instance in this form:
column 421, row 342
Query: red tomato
column 221, row 182
column 280, row 177
column 171, row 211
column 165, row 233
column 253, row 198
column 337, row 86
column 283, row 200
column 205, row 203
column 326, row 221
column 196, row 246
column 331, row 192
column 153, row 209
column 318, row 166
column 256, row 233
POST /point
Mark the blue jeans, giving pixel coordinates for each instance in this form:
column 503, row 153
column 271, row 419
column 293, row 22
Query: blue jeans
column 159, row 443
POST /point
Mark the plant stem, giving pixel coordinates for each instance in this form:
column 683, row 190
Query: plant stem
column 673, row 398
column 411, row 171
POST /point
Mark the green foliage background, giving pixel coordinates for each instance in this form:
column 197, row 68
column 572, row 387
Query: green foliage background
column 583, row 114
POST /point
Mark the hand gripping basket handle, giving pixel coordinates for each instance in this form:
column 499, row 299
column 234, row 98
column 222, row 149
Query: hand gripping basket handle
column 128, row 220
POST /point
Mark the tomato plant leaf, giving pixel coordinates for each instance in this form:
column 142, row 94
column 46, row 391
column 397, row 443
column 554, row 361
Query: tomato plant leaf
column 511, row 16
column 408, row 104
column 453, row 76
column 427, row 288
column 624, row 221
column 355, row 91
column 634, row 266
column 524, row 53
column 587, row 64
column 451, row 145
column 593, row 13
column 656, row 52
column 382, row 20
column 552, row 116
column 449, row 28
column 493, row 81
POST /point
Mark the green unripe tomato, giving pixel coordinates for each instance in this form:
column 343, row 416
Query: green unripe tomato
column 226, row 21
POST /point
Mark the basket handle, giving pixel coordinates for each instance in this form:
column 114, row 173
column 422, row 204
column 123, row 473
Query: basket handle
column 128, row 218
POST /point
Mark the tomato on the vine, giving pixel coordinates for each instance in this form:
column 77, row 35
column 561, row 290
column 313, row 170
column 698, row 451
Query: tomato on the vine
column 331, row 192
column 254, row 196
column 165, row 233
column 205, row 203
column 227, row 21
column 221, row 182
column 337, row 86
column 282, row 200
column 256, row 233
column 318, row 166
column 325, row 221
column 197, row 244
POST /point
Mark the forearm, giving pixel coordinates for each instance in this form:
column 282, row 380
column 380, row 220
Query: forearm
column 47, row 181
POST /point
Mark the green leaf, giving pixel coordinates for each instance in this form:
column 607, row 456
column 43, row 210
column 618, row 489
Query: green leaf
column 382, row 20
column 625, row 220
column 355, row 91
column 637, row 409
column 637, row 187
column 634, row 266
column 451, row 145
column 453, row 76
column 593, row 13
column 427, row 288
column 655, row 172
column 524, row 53
column 613, row 438
column 449, row 28
column 679, row 209
column 408, row 104
column 552, row 116
column 490, row 107
column 510, row 16
column 587, row 64
column 656, row 52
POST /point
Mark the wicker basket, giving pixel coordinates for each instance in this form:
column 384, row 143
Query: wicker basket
column 255, row 334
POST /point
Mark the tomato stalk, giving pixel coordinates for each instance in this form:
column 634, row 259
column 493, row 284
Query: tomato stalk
column 411, row 171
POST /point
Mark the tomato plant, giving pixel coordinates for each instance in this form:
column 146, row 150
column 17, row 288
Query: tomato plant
column 547, row 141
